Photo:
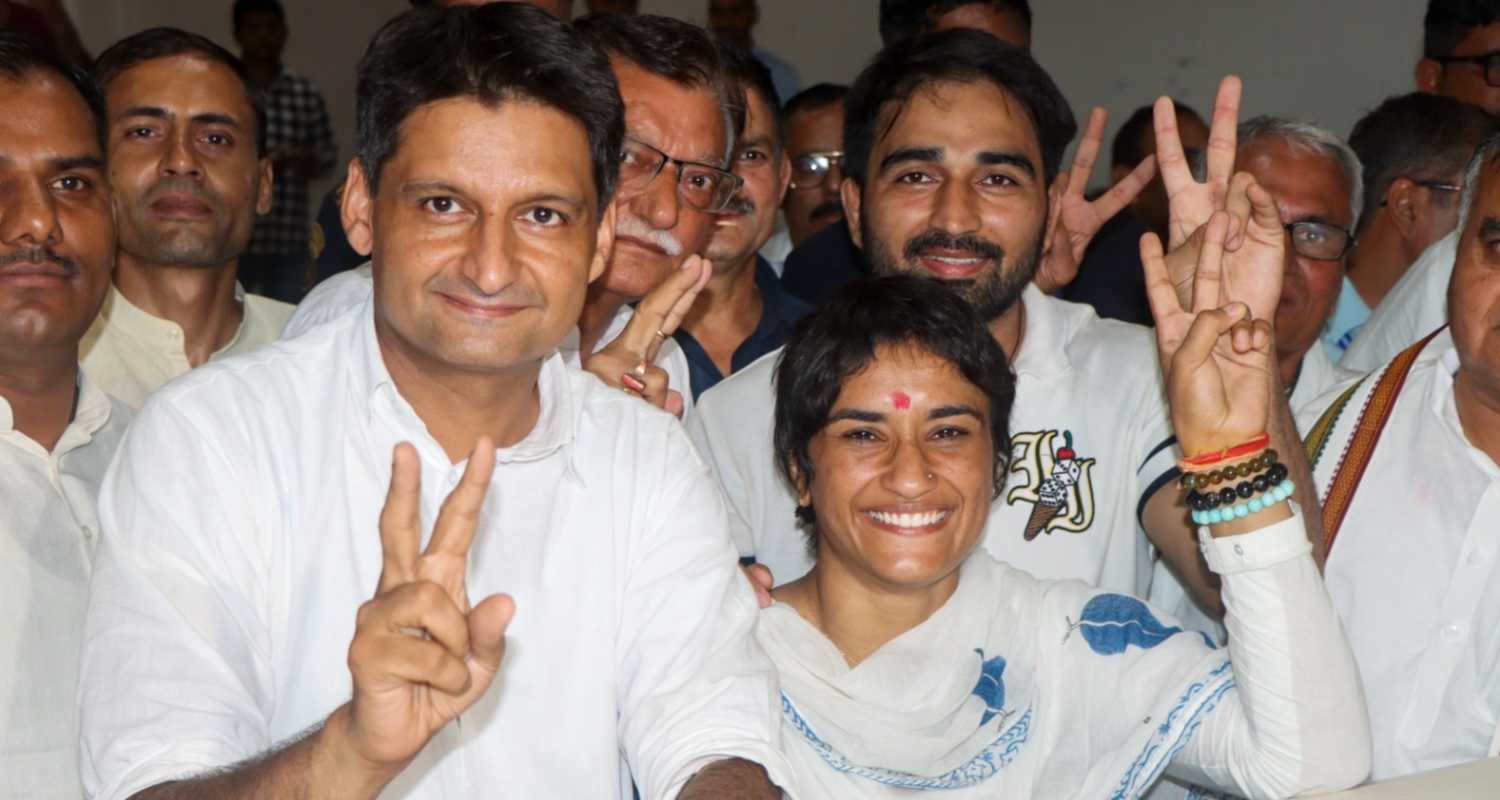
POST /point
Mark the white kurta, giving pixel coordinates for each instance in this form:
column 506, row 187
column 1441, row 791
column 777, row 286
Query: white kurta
column 1416, row 306
column 1420, row 600
column 131, row 354
column 1020, row 688
column 48, row 531
column 1077, row 376
column 346, row 292
column 241, row 536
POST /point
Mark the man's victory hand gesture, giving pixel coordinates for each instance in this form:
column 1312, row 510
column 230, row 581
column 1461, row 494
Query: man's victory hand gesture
column 421, row 655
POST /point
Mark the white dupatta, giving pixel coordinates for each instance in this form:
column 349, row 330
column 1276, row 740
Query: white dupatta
column 1016, row 687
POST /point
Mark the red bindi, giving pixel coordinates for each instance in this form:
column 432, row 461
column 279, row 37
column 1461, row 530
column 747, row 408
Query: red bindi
column 900, row 401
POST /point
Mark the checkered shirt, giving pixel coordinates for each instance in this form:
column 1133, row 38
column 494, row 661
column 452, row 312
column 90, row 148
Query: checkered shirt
column 297, row 119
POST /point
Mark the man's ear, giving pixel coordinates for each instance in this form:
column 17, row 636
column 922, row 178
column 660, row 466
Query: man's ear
column 785, row 178
column 1428, row 74
column 357, row 209
column 263, row 191
column 1404, row 202
column 849, row 192
column 604, row 242
column 1054, row 206
column 799, row 484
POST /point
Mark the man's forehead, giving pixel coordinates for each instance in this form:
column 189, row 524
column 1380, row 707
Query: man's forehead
column 59, row 124
column 959, row 116
column 1304, row 182
column 685, row 121
column 178, row 80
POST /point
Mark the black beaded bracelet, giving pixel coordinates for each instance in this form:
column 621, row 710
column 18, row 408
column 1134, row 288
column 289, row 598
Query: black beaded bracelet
column 1260, row 484
column 1233, row 472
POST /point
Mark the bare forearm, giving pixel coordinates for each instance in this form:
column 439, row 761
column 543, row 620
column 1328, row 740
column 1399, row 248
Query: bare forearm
column 731, row 779
column 315, row 765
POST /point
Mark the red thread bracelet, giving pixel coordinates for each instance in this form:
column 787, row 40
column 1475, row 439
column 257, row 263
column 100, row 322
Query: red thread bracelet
column 1206, row 461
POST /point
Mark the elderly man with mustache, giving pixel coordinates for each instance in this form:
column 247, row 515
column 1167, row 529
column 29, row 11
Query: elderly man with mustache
column 743, row 313
column 184, row 146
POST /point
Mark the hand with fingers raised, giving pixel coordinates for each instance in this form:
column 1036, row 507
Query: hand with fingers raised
column 1190, row 202
column 1077, row 219
column 1252, row 273
column 1217, row 358
column 421, row 654
column 629, row 362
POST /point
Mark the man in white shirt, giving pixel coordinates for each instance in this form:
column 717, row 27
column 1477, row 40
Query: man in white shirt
column 1093, row 457
column 1416, row 306
column 185, row 144
column 232, row 646
column 1319, row 188
column 1412, row 549
column 58, row 431
column 1413, row 149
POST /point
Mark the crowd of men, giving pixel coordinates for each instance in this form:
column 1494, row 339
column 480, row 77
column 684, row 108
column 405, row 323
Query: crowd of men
column 495, row 507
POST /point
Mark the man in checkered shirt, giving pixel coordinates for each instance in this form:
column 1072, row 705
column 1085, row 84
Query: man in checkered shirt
column 299, row 140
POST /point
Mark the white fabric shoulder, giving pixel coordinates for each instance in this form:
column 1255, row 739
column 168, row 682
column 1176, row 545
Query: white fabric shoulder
column 1413, row 308
column 334, row 297
column 1318, row 377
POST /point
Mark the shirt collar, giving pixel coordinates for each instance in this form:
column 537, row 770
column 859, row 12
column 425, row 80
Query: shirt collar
column 163, row 334
column 94, row 408
column 556, row 426
column 1045, row 334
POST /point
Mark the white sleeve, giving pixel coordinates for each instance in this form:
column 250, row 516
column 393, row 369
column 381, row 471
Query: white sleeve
column 1296, row 720
column 694, row 685
column 175, row 676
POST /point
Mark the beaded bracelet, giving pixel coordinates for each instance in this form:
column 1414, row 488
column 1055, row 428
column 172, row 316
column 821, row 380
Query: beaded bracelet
column 1203, row 462
column 1205, row 501
column 1242, row 510
column 1248, row 469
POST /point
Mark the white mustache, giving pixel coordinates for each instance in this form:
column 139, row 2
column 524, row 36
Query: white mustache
column 635, row 229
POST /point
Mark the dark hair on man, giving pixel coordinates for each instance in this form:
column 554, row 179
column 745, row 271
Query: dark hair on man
column 840, row 339
column 751, row 74
column 813, row 98
column 20, row 57
column 489, row 53
column 154, row 43
column 897, row 73
column 242, row 8
column 1420, row 136
column 670, row 48
column 906, row 19
column 1448, row 21
column 1129, row 147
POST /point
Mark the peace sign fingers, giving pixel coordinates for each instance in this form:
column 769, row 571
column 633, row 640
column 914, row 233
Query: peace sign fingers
column 400, row 520
column 445, row 561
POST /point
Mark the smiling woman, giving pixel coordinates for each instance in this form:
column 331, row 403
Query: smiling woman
column 909, row 661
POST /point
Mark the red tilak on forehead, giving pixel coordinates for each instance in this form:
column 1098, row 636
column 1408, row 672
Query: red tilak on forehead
column 900, row 400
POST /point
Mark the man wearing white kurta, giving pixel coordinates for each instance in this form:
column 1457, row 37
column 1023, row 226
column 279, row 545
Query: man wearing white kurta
column 1416, row 306
column 58, row 431
column 262, row 623
column 1420, row 600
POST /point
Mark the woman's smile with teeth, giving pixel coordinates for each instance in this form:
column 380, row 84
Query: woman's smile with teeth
column 909, row 520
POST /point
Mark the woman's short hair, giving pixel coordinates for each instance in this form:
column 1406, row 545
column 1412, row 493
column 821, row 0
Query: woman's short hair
column 839, row 340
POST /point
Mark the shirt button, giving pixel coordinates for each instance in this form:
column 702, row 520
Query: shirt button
column 1453, row 632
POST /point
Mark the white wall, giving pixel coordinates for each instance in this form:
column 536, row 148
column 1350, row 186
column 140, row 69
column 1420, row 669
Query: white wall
column 1323, row 60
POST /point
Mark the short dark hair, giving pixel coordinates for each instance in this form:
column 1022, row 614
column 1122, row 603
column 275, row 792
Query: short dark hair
column 906, row 19
column 670, row 48
column 752, row 74
column 154, row 43
column 838, row 340
column 1128, row 148
column 898, row 72
column 1419, row 136
column 813, row 98
column 20, row 56
column 1447, row 22
column 245, row 7
column 490, row 53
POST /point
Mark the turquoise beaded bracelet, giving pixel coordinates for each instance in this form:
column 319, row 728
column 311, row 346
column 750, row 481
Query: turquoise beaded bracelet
column 1245, row 509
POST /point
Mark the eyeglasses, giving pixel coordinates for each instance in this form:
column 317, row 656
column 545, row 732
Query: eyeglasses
column 1436, row 186
column 1489, row 61
column 1319, row 241
column 701, row 186
column 809, row 170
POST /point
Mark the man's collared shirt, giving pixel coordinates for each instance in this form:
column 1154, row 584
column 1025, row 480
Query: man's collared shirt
column 1090, row 443
column 778, row 312
column 1413, row 574
column 347, row 291
column 48, row 530
column 242, row 535
column 1317, row 376
column 131, row 353
column 1416, row 306
column 296, row 119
